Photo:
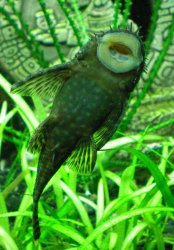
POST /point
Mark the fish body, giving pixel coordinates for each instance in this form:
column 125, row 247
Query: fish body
column 90, row 93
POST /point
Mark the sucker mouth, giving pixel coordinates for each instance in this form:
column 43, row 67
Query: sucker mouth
column 121, row 49
column 118, row 56
column 120, row 52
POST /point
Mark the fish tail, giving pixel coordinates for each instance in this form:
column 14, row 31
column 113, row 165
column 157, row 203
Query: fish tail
column 36, row 226
column 48, row 165
column 44, row 174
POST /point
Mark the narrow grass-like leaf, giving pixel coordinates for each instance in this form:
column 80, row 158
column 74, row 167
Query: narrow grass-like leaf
column 114, row 177
column 40, row 109
column 13, row 184
column 79, row 206
column 126, row 12
column 100, row 201
column 80, row 20
column 58, row 191
column 28, row 178
column 7, row 241
column 132, row 235
column 73, row 25
column 153, row 23
column 4, row 222
column 4, row 119
column 23, row 108
column 108, row 241
column 117, row 7
column 88, row 202
column 105, row 185
column 116, row 219
column 70, row 232
column 117, row 203
column 124, row 190
column 52, row 30
column 24, row 205
column 161, row 125
column 117, row 143
column 156, row 173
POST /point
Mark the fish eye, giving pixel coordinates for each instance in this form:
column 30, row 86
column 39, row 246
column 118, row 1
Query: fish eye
column 120, row 48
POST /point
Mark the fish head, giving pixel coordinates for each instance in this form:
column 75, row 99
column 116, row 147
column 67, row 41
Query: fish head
column 121, row 51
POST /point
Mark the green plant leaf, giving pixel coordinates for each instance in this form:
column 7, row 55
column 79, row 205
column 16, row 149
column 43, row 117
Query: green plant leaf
column 156, row 173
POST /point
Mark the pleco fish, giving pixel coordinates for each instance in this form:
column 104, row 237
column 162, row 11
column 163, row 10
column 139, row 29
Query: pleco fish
column 90, row 92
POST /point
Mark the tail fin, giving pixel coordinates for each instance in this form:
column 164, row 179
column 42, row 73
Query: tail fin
column 49, row 163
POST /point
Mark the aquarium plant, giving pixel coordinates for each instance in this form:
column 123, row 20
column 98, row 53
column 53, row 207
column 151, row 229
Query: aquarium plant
column 127, row 202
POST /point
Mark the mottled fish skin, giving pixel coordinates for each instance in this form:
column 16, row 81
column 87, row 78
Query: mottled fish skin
column 89, row 102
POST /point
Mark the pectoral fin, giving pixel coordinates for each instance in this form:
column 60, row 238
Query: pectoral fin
column 44, row 83
column 106, row 131
column 83, row 158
